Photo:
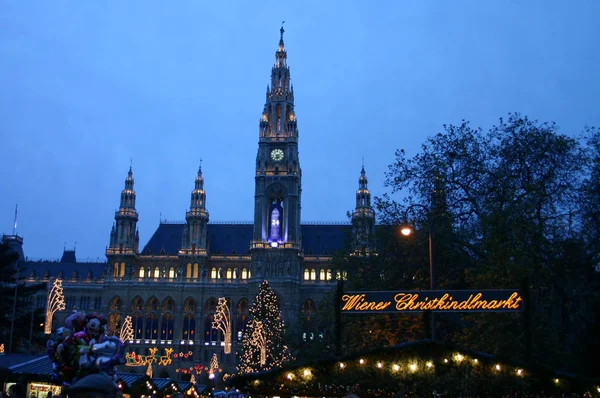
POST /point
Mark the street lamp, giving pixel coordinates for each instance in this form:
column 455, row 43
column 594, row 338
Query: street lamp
column 406, row 230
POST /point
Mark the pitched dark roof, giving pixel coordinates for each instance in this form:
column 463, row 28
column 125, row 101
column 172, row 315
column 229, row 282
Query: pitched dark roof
column 38, row 366
column 8, row 360
column 54, row 268
column 234, row 238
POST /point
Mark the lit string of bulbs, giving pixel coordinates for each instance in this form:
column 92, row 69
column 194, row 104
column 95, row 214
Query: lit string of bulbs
column 222, row 322
column 56, row 302
column 412, row 366
column 126, row 333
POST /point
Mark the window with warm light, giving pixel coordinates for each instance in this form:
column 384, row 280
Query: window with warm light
column 156, row 272
column 188, row 271
column 322, row 275
column 244, row 273
column 195, row 273
column 172, row 273
column 313, row 274
column 228, row 273
column 328, row 274
column 306, row 274
column 213, row 273
column 142, row 272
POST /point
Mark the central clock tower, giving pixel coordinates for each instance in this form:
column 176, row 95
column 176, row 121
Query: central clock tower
column 276, row 241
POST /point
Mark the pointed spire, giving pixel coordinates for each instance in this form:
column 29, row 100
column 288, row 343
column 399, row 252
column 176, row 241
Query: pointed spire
column 280, row 55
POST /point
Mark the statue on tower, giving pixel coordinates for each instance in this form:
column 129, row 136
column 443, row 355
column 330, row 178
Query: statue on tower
column 282, row 30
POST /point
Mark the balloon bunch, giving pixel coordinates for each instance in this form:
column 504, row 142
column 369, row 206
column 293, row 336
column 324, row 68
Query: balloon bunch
column 82, row 347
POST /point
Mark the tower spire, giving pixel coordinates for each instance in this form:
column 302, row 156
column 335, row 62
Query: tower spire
column 363, row 217
column 194, row 234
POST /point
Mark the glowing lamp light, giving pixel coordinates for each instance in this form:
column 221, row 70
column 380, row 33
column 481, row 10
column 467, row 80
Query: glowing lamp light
column 445, row 360
column 396, row 368
column 274, row 244
column 306, row 372
column 458, row 357
column 362, row 361
column 290, row 376
column 497, row 367
column 476, row 361
column 413, row 367
column 211, row 376
column 556, row 381
column 405, row 230
column 520, row 372
column 342, row 365
column 379, row 365
column 429, row 364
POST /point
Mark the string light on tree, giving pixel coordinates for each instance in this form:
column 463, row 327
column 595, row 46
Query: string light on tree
column 258, row 335
column 263, row 345
column 2, row 348
column 126, row 333
column 56, row 302
column 222, row 322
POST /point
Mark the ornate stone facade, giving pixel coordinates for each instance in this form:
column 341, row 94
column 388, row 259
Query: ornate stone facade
column 170, row 288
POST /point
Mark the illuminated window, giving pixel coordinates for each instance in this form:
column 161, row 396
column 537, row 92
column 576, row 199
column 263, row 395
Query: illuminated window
column 249, row 274
column 213, row 273
column 228, row 274
column 195, row 275
column 244, row 273
column 306, row 274
column 345, row 275
column 142, row 272
column 338, row 275
column 156, row 272
column 322, row 275
column 122, row 273
column 116, row 270
column 328, row 274
column 313, row 274
column 172, row 273
column 188, row 271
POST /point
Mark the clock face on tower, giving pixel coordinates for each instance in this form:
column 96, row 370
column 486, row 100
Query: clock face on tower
column 277, row 155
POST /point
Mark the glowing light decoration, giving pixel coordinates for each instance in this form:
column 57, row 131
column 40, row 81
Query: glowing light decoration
column 56, row 302
column 126, row 333
column 193, row 380
column 222, row 322
column 263, row 343
column 214, row 364
column 2, row 348
column 149, row 370
column 133, row 359
column 258, row 335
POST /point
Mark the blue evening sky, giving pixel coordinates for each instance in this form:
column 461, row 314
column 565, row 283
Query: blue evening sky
column 87, row 85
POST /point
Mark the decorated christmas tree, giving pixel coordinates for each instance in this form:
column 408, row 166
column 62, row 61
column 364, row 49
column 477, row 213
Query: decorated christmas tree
column 263, row 345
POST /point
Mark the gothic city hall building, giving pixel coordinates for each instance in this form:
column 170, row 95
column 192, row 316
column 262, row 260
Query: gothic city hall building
column 171, row 286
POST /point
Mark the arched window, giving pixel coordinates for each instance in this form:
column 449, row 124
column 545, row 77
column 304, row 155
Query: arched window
column 195, row 275
column 172, row 273
column 213, row 273
column 322, row 274
column 116, row 270
column 142, row 273
column 137, row 304
column 188, row 271
column 306, row 274
column 168, row 305
column 114, row 319
column 189, row 327
column 328, row 274
column 338, row 275
column 313, row 274
column 345, row 275
column 241, row 318
column 166, row 328
column 309, row 324
column 211, row 336
column 152, row 304
column 229, row 274
column 151, row 326
column 114, row 323
column 122, row 273
column 137, row 322
column 244, row 273
column 156, row 272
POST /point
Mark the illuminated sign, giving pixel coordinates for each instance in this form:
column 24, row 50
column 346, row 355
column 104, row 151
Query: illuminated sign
column 432, row 300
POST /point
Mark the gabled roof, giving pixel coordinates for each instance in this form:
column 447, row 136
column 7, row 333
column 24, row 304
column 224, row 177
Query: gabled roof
column 38, row 366
column 234, row 238
column 54, row 268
